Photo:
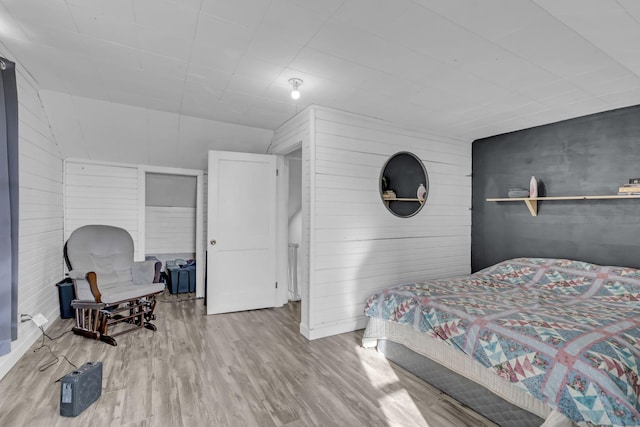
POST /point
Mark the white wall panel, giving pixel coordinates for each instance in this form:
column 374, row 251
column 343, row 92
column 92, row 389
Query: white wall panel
column 41, row 218
column 98, row 193
column 358, row 247
column 289, row 136
column 352, row 246
column 113, row 194
column 170, row 230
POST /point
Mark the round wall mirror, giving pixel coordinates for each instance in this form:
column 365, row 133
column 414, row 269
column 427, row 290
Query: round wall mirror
column 404, row 184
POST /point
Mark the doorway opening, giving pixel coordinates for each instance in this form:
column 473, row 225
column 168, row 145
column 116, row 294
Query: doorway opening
column 294, row 211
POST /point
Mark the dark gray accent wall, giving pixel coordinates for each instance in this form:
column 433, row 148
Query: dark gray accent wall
column 591, row 155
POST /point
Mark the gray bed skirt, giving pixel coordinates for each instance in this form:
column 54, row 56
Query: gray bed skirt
column 459, row 376
column 460, row 388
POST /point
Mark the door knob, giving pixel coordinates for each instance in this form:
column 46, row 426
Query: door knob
column 213, row 242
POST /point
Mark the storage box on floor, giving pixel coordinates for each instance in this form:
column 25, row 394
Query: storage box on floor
column 181, row 276
column 66, row 294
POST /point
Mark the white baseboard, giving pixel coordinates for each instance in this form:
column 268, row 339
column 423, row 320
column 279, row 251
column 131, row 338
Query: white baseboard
column 304, row 330
column 24, row 342
column 334, row 328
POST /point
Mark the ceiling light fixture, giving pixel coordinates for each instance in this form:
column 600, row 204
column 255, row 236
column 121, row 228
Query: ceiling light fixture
column 295, row 92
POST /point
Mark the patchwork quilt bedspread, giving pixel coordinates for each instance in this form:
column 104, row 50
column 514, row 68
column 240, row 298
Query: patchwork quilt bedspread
column 567, row 332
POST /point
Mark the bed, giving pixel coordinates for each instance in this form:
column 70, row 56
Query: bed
column 558, row 338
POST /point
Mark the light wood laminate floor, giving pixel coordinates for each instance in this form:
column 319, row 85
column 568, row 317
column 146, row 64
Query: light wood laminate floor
column 241, row 369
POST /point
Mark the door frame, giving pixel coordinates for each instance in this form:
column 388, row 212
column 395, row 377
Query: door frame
column 281, row 151
column 199, row 232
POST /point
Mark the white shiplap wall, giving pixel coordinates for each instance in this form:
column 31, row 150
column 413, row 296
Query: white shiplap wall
column 101, row 193
column 355, row 246
column 170, row 229
column 113, row 194
column 41, row 217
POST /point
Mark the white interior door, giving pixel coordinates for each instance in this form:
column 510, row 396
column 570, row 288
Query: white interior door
column 241, row 236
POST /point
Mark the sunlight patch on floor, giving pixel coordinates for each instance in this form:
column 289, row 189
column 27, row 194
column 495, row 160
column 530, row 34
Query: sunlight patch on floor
column 400, row 401
column 395, row 403
column 380, row 373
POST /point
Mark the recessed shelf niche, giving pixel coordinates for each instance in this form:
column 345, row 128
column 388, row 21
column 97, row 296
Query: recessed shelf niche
column 400, row 178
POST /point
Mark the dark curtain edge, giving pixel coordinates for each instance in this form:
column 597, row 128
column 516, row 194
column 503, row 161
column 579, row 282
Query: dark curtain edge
column 10, row 227
column 11, row 108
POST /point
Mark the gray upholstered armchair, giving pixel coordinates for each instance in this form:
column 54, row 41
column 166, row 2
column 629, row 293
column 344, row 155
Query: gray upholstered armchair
column 110, row 287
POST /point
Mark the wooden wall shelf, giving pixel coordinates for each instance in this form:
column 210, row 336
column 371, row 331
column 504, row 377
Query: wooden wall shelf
column 532, row 202
column 388, row 199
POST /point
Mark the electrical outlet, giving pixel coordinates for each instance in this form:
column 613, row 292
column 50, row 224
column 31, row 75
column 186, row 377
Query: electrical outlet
column 39, row 320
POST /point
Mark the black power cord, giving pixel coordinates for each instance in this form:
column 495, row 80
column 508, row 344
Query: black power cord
column 53, row 362
column 56, row 359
